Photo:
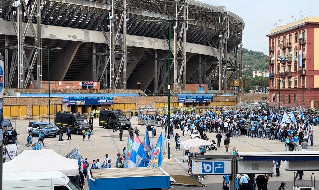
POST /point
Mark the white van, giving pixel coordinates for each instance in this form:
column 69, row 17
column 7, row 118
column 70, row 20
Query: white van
column 52, row 180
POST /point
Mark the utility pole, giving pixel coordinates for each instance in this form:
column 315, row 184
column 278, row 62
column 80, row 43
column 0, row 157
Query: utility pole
column 1, row 116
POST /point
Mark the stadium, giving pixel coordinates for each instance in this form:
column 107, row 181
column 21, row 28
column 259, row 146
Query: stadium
column 123, row 44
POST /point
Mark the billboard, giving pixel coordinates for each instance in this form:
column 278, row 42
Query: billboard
column 195, row 99
column 89, row 100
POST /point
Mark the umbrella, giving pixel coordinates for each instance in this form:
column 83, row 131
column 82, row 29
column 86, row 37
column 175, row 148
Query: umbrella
column 196, row 142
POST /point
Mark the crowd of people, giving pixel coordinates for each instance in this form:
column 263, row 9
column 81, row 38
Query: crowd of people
column 294, row 128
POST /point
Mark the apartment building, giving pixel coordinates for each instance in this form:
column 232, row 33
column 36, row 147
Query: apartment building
column 294, row 64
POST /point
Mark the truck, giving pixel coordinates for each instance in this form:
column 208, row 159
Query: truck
column 76, row 122
column 52, row 180
column 114, row 119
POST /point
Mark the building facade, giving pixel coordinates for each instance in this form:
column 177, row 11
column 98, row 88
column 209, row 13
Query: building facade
column 294, row 64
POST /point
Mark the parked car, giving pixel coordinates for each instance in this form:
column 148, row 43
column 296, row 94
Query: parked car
column 113, row 119
column 7, row 128
column 76, row 122
column 48, row 129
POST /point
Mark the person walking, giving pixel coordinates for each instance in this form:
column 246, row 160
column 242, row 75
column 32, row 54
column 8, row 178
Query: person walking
column 282, row 186
column 60, row 135
column 14, row 136
column 219, row 139
column 81, row 180
column 121, row 134
column 226, row 143
column 278, row 163
column 41, row 138
column 85, row 168
column 88, row 133
column 29, row 140
column 69, row 133
column 83, row 134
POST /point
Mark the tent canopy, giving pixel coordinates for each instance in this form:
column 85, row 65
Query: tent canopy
column 196, row 142
column 41, row 161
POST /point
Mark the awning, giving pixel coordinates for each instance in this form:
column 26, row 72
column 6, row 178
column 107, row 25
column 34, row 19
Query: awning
column 297, row 156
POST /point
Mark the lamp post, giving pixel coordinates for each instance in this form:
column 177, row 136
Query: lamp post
column 50, row 49
column 170, row 22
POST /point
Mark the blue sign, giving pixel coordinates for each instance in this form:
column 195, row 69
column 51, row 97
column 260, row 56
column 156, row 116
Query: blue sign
column 207, row 167
column 89, row 100
column 195, row 99
column 219, row 167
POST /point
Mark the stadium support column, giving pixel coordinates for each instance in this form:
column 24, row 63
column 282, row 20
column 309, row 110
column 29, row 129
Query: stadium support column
column 6, row 61
column 241, row 69
column 220, row 64
column 124, row 44
column 180, row 34
column 175, row 82
column 112, row 58
column 200, row 69
column 39, row 45
column 156, row 73
column 94, row 63
column 20, row 44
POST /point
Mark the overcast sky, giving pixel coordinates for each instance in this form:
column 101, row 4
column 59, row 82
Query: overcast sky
column 261, row 16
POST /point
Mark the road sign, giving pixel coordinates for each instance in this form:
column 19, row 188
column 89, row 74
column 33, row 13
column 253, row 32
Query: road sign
column 214, row 167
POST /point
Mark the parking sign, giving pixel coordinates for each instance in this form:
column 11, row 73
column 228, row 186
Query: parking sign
column 207, row 167
column 211, row 167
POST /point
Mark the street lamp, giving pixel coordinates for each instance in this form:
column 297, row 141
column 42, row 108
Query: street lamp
column 170, row 22
column 48, row 49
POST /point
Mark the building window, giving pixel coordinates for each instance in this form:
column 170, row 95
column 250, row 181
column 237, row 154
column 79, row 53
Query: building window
column 278, row 98
column 283, row 84
column 295, row 98
column 272, row 83
column 296, row 83
column 296, row 37
column 283, row 98
column 289, row 99
column 289, row 83
column 303, row 98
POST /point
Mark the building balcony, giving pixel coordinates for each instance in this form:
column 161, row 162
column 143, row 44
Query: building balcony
column 302, row 41
column 302, row 71
column 287, row 74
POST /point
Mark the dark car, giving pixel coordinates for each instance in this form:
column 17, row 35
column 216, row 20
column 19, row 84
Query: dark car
column 114, row 119
column 7, row 130
column 48, row 129
column 76, row 122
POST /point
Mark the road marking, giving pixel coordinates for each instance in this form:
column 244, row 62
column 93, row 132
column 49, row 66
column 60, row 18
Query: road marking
column 92, row 144
column 70, row 145
column 113, row 142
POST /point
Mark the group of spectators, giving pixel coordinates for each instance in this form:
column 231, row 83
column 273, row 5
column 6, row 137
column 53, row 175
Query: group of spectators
column 293, row 128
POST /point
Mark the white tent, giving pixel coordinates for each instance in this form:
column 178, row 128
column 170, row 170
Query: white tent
column 195, row 143
column 41, row 161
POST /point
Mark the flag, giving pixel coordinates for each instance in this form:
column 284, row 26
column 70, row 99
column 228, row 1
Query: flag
column 285, row 118
column 157, row 153
column 147, row 150
column 137, row 153
column 128, row 152
column 292, row 117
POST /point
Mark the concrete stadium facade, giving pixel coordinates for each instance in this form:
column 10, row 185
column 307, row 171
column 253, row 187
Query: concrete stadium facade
column 120, row 43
